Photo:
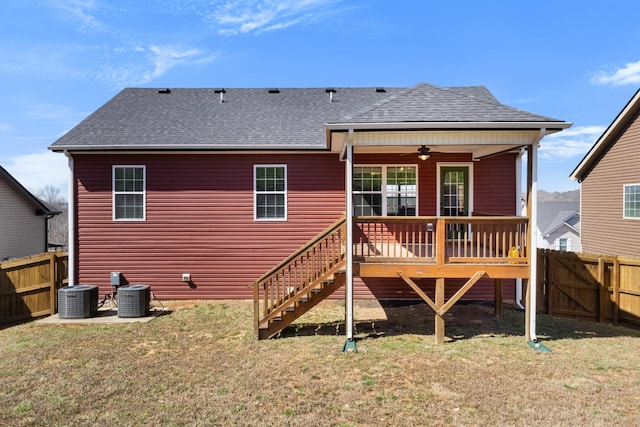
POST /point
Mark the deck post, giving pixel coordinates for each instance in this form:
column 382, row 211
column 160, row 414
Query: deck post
column 350, row 344
column 498, row 288
column 439, row 323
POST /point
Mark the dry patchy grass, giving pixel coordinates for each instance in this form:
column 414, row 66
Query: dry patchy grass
column 200, row 366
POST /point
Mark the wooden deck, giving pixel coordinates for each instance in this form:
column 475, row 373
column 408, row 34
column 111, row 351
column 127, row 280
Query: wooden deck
column 410, row 248
column 434, row 247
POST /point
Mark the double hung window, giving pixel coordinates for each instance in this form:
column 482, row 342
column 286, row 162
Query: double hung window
column 129, row 193
column 632, row 201
column 270, row 192
column 385, row 190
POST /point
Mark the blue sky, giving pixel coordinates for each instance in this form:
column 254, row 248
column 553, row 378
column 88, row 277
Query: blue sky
column 61, row 59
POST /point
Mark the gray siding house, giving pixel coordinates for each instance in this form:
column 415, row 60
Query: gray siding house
column 23, row 220
column 559, row 225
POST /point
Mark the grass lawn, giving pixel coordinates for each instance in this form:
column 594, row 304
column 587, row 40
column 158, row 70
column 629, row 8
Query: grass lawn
column 200, row 366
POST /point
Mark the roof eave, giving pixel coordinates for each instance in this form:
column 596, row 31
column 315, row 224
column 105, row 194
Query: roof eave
column 551, row 126
column 40, row 207
column 606, row 139
column 184, row 147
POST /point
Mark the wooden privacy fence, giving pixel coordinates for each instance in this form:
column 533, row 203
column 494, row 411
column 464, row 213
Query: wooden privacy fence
column 28, row 286
column 591, row 287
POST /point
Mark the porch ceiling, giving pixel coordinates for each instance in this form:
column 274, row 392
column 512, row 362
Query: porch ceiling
column 481, row 143
column 477, row 151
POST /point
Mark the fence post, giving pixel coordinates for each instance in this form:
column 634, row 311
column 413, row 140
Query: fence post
column 604, row 291
column 550, row 284
column 53, row 279
column 615, row 283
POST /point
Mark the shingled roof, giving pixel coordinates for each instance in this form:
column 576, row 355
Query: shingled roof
column 39, row 207
column 288, row 118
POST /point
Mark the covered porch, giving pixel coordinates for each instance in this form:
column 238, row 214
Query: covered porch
column 458, row 246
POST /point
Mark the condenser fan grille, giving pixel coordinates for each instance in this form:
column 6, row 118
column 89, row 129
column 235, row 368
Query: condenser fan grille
column 134, row 300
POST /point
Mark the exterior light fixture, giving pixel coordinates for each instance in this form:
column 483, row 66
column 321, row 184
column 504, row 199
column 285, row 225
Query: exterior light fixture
column 423, row 153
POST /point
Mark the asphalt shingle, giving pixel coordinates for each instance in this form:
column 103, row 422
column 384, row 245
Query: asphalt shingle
column 292, row 118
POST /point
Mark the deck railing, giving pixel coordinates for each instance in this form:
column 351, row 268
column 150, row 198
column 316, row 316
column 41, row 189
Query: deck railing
column 486, row 239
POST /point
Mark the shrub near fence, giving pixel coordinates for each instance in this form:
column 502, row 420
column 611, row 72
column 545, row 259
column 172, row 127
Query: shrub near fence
column 28, row 286
column 590, row 287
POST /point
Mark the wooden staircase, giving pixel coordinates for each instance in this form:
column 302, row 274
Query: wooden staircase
column 300, row 282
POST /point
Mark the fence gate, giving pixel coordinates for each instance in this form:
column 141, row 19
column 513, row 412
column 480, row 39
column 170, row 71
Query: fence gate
column 589, row 287
column 577, row 285
column 28, row 286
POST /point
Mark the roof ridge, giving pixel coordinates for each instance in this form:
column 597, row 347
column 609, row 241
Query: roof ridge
column 561, row 218
column 384, row 101
column 451, row 90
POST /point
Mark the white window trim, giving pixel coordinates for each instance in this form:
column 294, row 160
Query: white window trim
column 286, row 194
column 624, row 186
column 384, row 183
column 559, row 243
column 468, row 165
column 143, row 192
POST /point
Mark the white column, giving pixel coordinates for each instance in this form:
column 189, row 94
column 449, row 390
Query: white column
column 533, row 228
column 71, row 215
column 349, row 225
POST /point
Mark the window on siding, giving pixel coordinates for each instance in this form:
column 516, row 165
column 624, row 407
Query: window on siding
column 129, row 193
column 563, row 245
column 385, row 190
column 632, row 201
column 270, row 192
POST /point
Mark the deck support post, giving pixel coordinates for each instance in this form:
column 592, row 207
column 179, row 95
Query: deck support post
column 439, row 323
column 497, row 289
column 350, row 344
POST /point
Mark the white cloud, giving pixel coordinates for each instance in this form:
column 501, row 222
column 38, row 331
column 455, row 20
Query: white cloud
column 5, row 127
column 80, row 11
column 164, row 58
column 570, row 143
column 629, row 74
column 246, row 16
column 37, row 170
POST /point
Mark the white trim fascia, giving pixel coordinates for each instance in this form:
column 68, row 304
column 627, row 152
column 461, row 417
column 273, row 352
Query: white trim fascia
column 191, row 148
column 550, row 127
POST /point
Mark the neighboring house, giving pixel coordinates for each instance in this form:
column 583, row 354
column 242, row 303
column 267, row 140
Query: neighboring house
column 559, row 225
column 199, row 192
column 23, row 220
column 609, row 179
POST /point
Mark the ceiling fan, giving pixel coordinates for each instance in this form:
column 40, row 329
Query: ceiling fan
column 423, row 153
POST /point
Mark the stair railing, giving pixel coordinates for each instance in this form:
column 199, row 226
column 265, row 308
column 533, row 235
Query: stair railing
column 287, row 282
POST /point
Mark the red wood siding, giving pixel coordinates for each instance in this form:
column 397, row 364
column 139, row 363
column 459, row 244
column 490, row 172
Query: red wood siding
column 495, row 186
column 199, row 219
column 603, row 228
